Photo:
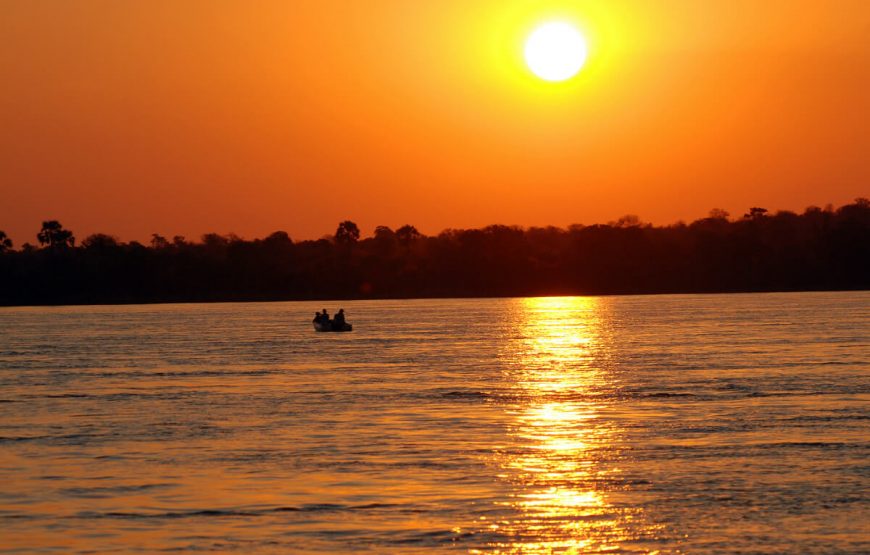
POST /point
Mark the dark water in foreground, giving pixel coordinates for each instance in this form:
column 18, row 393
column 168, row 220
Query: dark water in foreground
column 678, row 424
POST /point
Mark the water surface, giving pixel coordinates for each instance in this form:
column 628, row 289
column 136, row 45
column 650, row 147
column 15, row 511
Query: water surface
column 677, row 424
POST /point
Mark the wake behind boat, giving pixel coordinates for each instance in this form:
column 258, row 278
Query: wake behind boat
column 322, row 322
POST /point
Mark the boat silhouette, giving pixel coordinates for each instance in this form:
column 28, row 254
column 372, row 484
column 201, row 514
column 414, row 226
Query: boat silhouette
column 331, row 326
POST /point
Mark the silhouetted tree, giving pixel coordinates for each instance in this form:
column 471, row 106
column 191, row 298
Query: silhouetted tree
column 718, row 214
column 5, row 243
column 347, row 233
column 755, row 213
column 159, row 242
column 629, row 220
column 383, row 250
column 54, row 236
column 215, row 241
column 408, row 233
column 384, row 232
column 99, row 241
column 278, row 238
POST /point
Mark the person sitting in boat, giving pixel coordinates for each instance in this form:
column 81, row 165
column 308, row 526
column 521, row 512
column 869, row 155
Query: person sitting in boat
column 338, row 321
column 318, row 318
column 324, row 318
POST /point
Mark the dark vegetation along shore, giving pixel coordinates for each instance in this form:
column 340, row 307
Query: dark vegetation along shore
column 821, row 249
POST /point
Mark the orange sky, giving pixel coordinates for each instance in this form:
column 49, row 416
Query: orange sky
column 191, row 116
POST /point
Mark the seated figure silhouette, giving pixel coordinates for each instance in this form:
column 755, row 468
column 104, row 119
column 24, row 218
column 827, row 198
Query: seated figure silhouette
column 323, row 323
column 338, row 321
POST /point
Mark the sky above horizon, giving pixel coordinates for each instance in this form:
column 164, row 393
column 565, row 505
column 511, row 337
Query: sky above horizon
column 183, row 117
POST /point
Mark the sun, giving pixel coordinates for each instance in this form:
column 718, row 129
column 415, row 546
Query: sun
column 555, row 51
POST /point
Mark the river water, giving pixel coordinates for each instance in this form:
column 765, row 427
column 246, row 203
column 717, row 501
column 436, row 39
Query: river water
column 677, row 424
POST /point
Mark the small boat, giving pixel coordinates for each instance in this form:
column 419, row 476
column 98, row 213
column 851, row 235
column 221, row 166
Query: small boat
column 330, row 326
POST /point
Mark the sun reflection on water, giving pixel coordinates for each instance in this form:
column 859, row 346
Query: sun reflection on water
column 560, row 444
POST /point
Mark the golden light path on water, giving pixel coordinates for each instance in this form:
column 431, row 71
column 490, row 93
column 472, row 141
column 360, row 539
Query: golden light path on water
column 560, row 460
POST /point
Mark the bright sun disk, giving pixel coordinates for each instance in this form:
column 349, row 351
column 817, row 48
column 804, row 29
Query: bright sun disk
column 555, row 51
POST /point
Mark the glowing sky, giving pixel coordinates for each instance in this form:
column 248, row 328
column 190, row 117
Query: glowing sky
column 191, row 116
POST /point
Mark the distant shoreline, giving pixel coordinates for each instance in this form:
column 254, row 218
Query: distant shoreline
column 480, row 297
column 819, row 250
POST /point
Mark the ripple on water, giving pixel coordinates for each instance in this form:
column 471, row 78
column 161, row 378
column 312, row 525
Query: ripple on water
column 670, row 424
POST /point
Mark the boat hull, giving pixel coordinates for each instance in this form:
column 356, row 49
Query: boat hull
column 331, row 327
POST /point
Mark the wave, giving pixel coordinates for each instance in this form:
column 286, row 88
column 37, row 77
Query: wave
column 240, row 512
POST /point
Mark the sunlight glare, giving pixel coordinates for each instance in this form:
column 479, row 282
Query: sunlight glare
column 555, row 51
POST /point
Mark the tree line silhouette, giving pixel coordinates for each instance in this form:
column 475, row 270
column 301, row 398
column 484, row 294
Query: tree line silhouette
column 820, row 249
